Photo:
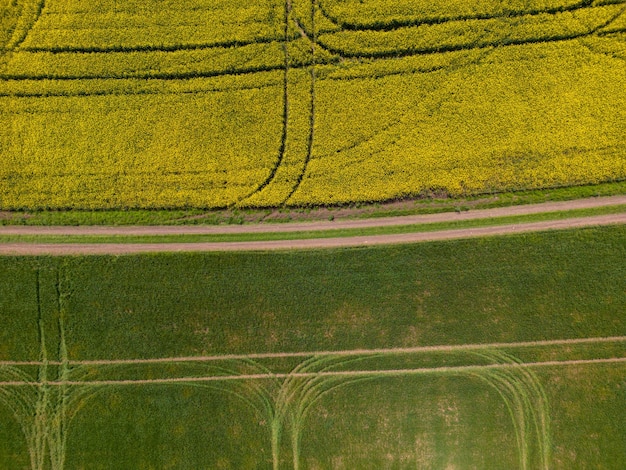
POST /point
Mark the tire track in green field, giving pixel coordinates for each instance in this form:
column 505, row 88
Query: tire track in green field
column 21, row 400
column 361, row 352
column 36, row 440
column 43, row 405
column 257, row 395
column 299, row 393
column 287, row 404
column 348, row 373
column 284, row 399
column 527, row 403
column 337, row 353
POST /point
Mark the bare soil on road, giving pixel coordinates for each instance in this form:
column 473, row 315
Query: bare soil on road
column 338, row 373
column 335, row 353
column 312, row 243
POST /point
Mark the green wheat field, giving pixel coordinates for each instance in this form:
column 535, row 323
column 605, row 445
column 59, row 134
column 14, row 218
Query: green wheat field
column 500, row 353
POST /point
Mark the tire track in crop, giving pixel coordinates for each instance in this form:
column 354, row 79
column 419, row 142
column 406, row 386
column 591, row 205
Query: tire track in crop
column 396, row 53
column 311, row 37
column 501, row 42
column 376, row 373
column 517, row 386
column 319, row 43
column 599, row 32
column 410, row 52
column 79, row 93
column 338, row 353
column 12, row 13
column 455, row 64
column 289, row 402
column 611, row 20
column 296, row 397
column 31, row 12
column 594, row 49
column 612, row 32
column 396, row 24
column 325, row 15
column 289, row 170
column 253, row 39
column 145, row 76
column 285, row 399
column 44, row 411
column 285, row 114
column 257, row 396
column 40, row 413
column 527, row 403
column 151, row 47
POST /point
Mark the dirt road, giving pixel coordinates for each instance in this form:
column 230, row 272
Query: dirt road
column 131, row 248
column 336, row 353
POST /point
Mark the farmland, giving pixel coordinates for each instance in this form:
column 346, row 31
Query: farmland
column 109, row 105
column 502, row 352
column 493, row 352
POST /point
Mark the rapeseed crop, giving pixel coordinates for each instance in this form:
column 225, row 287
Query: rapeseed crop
column 305, row 102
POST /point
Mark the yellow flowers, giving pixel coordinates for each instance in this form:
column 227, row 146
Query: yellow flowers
column 105, row 107
column 523, row 117
column 382, row 13
column 459, row 34
column 175, row 148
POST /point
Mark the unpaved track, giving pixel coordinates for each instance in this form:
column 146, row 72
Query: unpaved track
column 339, row 373
column 338, row 353
column 312, row 243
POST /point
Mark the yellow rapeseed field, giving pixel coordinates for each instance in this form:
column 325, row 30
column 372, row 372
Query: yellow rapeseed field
column 217, row 103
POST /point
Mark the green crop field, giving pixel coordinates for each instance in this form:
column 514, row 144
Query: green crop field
column 497, row 353
column 224, row 103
